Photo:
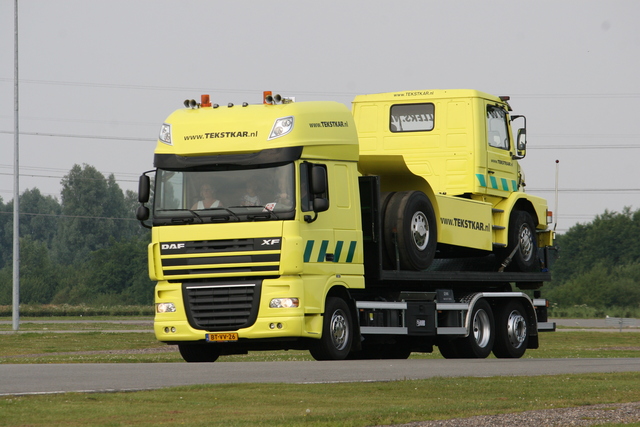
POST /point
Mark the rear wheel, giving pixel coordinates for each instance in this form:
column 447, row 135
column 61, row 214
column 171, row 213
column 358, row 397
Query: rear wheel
column 479, row 343
column 410, row 230
column 337, row 332
column 198, row 352
column 512, row 334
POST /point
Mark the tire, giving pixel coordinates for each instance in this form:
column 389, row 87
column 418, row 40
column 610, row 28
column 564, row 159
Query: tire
column 512, row 331
column 480, row 342
column 449, row 349
column 199, row 352
column 522, row 232
column 410, row 222
column 337, row 332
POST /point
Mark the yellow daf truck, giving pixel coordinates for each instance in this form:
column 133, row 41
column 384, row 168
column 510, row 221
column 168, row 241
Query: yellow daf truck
column 373, row 233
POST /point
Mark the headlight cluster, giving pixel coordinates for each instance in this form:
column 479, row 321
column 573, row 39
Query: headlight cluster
column 165, row 307
column 284, row 303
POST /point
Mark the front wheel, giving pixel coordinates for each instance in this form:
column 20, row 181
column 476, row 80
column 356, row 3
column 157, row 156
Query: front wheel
column 337, row 332
column 198, row 352
column 522, row 240
column 512, row 334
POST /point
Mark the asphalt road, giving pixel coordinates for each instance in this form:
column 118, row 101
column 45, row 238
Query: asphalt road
column 105, row 377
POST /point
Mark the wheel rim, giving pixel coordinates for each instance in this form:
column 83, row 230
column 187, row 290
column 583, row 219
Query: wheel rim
column 481, row 328
column 526, row 242
column 339, row 330
column 420, row 230
column 516, row 329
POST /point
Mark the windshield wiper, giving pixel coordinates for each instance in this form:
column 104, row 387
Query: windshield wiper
column 181, row 218
column 263, row 214
column 223, row 218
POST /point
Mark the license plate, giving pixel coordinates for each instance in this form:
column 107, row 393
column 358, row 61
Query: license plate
column 223, row 337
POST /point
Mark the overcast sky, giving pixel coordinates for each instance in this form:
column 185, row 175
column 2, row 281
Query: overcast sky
column 97, row 78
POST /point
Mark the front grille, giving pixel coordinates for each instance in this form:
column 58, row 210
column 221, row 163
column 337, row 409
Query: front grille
column 221, row 307
column 214, row 257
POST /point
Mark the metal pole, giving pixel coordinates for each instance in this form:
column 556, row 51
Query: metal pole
column 555, row 208
column 16, row 186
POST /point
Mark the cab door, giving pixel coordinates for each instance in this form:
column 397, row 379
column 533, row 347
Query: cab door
column 502, row 169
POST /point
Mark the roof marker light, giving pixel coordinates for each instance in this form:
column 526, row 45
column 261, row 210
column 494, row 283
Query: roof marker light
column 204, row 101
column 267, row 98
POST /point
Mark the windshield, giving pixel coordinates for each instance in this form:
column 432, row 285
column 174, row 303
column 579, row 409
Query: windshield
column 224, row 195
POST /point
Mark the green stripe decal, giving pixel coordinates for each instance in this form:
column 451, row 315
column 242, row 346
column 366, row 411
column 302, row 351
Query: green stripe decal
column 324, row 246
column 505, row 185
column 494, row 182
column 307, row 250
column 336, row 255
column 352, row 251
column 323, row 250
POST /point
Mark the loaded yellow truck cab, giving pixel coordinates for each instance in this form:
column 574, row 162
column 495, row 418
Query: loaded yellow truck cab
column 265, row 217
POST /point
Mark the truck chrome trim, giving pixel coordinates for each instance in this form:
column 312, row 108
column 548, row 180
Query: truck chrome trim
column 452, row 331
column 382, row 305
column 547, row 326
column 383, row 330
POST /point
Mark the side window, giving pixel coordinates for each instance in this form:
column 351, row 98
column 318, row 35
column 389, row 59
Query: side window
column 170, row 188
column 497, row 130
column 411, row 117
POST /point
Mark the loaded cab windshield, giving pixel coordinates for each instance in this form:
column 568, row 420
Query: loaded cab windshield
column 205, row 196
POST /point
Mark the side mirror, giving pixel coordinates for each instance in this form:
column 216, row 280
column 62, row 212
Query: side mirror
column 318, row 180
column 142, row 213
column 320, row 204
column 144, row 189
column 521, row 144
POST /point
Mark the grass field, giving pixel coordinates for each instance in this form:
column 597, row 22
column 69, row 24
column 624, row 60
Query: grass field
column 354, row 404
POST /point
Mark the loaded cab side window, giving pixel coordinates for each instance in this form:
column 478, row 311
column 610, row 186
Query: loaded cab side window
column 411, row 117
column 497, row 129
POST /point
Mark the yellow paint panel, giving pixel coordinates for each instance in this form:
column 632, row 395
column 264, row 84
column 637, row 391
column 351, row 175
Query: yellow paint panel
column 464, row 220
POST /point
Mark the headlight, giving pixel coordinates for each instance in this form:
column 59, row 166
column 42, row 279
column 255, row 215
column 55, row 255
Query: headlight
column 165, row 134
column 281, row 127
column 284, row 303
column 165, row 307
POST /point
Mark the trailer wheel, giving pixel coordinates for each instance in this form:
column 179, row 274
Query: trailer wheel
column 410, row 232
column 198, row 352
column 337, row 332
column 512, row 334
column 522, row 232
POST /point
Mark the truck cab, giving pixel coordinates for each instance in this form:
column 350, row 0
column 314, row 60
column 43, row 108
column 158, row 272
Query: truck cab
column 456, row 147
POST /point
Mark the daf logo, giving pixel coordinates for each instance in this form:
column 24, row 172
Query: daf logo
column 270, row 242
column 172, row 246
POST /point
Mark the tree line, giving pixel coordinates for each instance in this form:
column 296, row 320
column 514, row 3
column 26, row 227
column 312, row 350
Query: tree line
column 87, row 248
column 599, row 263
